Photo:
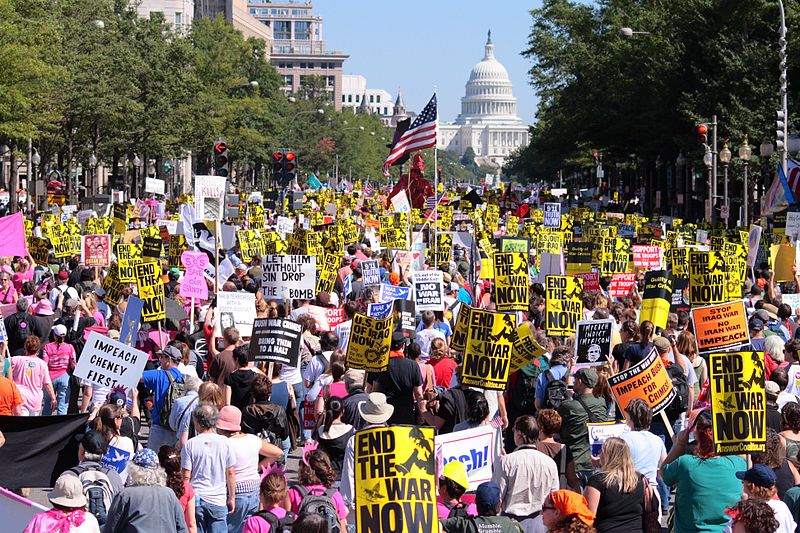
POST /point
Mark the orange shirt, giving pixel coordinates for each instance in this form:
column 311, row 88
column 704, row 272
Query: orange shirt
column 9, row 396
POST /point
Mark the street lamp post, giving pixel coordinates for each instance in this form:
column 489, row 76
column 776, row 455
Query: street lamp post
column 136, row 164
column 745, row 151
column 708, row 161
column 35, row 160
column 765, row 151
column 725, row 158
column 680, row 164
column 783, row 90
column 92, row 174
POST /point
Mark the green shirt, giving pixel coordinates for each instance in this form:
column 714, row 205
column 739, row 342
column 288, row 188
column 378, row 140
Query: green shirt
column 481, row 524
column 704, row 489
column 792, row 501
column 575, row 433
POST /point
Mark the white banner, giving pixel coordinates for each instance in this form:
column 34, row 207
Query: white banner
column 289, row 276
column 17, row 511
column 209, row 197
column 154, row 185
column 236, row 309
column 109, row 363
column 400, row 203
column 478, row 448
column 428, row 290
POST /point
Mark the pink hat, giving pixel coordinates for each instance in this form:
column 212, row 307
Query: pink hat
column 43, row 308
column 230, row 419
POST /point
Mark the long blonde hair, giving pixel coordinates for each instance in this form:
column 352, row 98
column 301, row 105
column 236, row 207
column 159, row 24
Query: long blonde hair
column 617, row 467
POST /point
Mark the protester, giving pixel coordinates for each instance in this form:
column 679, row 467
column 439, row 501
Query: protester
column 401, row 383
column 487, row 504
column 273, row 507
column 334, row 434
column 354, row 383
column 69, row 514
column 758, row 483
column 752, row 516
column 180, row 416
column 453, row 484
column 647, row 450
column 60, row 358
column 549, row 422
column 120, row 448
column 163, row 381
column 786, row 475
column 265, row 418
column 564, row 511
column 315, row 476
column 170, row 460
column 584, row 407
column 239, row 382
column 222, row 364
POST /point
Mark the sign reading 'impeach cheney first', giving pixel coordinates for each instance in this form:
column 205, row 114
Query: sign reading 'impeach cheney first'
column 109, row 363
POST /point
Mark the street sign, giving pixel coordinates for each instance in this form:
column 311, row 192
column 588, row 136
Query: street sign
column 725, row 211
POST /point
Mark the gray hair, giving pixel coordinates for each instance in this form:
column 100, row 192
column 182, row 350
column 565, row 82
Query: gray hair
column 773, row 347
column 144, row 477
column 92, row 456
column 22, row 305
column 205, row 415
column 192, row 383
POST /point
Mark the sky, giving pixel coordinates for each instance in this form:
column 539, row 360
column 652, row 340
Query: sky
column 421, row 45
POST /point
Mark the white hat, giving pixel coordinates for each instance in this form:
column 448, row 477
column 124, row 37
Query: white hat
column 375, row 410
column 68, row 492
column 60, row 330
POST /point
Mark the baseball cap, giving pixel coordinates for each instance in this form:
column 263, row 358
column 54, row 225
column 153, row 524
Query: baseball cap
column 587, row 375
column 456, row 472
column 662, row 344
column 488, row 494
column 71, row 303
column 60, row 330
column 100, row 292
column 760, row 475
column 756, row 324
column 173, row 353
column 772, row 389
column 63, row 275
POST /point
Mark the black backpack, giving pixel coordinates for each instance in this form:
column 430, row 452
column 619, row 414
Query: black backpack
column 681, row 386
column 555, row 392
column 456, row 510
column 278, row 525
column 24, row 326
column 321, row 504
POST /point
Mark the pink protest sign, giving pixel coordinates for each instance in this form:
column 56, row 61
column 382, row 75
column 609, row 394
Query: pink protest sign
column 194, row 283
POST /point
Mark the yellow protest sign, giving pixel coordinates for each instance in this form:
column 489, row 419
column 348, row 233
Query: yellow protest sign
column 128, row 256
column 444, row 249
column 257, row 219
column 511, row 281
column 250, row 244
column 328, row 272
column 120, row 218
column 564, row 305
column 782, row 258
column 490, row 337
column 395, row 480
column 151, row 290
column 707, row 278
column 39, row 249
column 458, row 341
column 738, row 402
column 550, row 241
column 525, row 348
column 113, row 286
column 370, row 340
column 177, row 245
column 615, row 256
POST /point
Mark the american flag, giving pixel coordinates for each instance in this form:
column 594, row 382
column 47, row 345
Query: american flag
column 367, row 189
column 419, row 136
column 431, row 201
column 496, row 421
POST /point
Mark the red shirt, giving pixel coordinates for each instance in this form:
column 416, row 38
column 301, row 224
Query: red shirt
column 443, row 371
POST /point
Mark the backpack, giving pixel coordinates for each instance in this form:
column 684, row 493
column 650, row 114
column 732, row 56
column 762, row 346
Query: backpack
column 555, row 392
column 174, row 391
column 98, row 490
column 456, row 509
column 679, row 384
column 24, row 326
column 321, row 504
column 278, row 525
column 524, row 392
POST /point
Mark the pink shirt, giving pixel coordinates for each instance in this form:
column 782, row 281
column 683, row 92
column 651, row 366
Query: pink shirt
column 21, row 277
column 256, row 524
column 338, row 502
column 58, row 358
column 54, row 520
column 30, row 374
column 444, row 511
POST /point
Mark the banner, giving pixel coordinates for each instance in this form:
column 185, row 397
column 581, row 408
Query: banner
column 326, row 318
column 151, row 290
column 621, row 284
column 487, row 358
column 96, row 250
column 647, row 257
column 656, row 298
column 154, row 185
column 405, row 318
column 511, row 281
column 738, row 402
column 151, row 248
column 395, row 480
column 109, row 363
column 194, row 282
column 17, row 511
column 564, row 306
column 477, row 448
column 329, row 271
column 370, row 341
column 209, row 197
column 599, row 432
column 428, row 290
column 552, row 215
column 706, row 278
column 12, row 228
column 593, row 341
column 753, row 240
column 390, row 293
column 458, row 341
column 719, row 327
column 290, row 277
column 591, row 281
column 647, row 380
column 370, row 273
column 381, row 310
column 276, row 340
column 237, row 309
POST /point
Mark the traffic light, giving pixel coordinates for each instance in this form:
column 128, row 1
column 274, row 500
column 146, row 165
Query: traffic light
column 702, row 134
column 277, row 168
column 780, row 131
column 221, row 163
column 289, row 167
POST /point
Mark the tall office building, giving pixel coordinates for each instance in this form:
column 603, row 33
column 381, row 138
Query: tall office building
column 298, row 47
column 357, row 95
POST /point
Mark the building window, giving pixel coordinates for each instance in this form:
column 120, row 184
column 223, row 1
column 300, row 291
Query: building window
column 287, row 79
column 302, row 65
column 330, row 81
column 372, row 99
column 282, row 30
column 344, row 99
column 349, row 98
column 357, row 98
column 385, row 111
column 178, row 20
column 302, row 30
column 378, row 99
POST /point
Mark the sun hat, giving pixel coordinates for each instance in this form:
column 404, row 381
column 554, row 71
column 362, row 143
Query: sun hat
column 375, row 410
column 43, row 308
column 456, row 472
column 67, row 492
column 230, row 419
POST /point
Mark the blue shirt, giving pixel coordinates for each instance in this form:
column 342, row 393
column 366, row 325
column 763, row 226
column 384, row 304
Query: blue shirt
column 558, row 371
column 158, row 382
column 181, row 414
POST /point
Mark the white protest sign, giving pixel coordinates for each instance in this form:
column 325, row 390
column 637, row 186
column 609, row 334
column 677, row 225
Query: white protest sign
column 793, row 224
column 209, row 197
column 428, row 289
column 599, row 432
column 792, row 300
column 109, row 363
column 284, row 225
column 753, row 239
column 552, row 215
column 236, row 309
column 171, row 225
column 400, row 203
column 289, row 276
column 154, row 185
column 477, row 448
column 370, row 273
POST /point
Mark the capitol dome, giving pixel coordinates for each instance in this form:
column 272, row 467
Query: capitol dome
column 489, row 96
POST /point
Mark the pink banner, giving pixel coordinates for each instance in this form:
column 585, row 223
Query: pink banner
column 194, row 283
column 621, row 284
column 327, row 318
column 12, row 228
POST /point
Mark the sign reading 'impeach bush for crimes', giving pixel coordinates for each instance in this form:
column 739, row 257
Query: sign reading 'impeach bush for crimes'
column 395, row 480
column 647, row 380
column 564, row 306
column 490, row 339
column 511, row 281
column 738, row 402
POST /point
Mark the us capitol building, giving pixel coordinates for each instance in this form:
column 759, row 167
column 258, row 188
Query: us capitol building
column 488, row 121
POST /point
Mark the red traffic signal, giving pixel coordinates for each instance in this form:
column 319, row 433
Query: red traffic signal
column 277, row 156
column 289, row 156
column 220, row 147
column 702, row 129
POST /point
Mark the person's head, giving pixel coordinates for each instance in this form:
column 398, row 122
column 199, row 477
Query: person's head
column 477, row 409
column 413, row 350
column 261, row 388
column 170, row 460
column 638, row 415
column 487, row 499
column 791, row 416
column 145, row 470
column 686, row 344
column 616, row 463
column 308, row 324
column 672, row 321
column 334, row 409
column 241, row 355
column 453, row 483
column 438, row 349
column 32, row 345
column 791, row 350
column 231, row 336
column 549, row 422
column 328, row 341
column 526, row 430
column 310, row 523
column 211, row 393
column 561, row 356
column 93, row 446
column 756, row 326
column 398, row 341
column 170, row 356
column 191, row 383
column 704, row 436
column 316, row 469
column 775, row 453
column 353, row 379
column 108, row 420
column 567, row 511
column 646, row 330
column 205, row 417
column 758, row 482
column 773, row 347
column 273, row 490
column 662, row 345
column 780, row 376
column 585, row 380
column 67, row 494
column 628, row 331
column 22, row 303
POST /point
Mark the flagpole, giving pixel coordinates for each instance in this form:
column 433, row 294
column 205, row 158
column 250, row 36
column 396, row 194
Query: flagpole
column 436, row 185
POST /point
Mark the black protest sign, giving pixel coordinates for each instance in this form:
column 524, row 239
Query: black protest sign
column 428, row 290
column 276, row 340
column 680, row 298
column 370, row 273
column 405, row 318
column 593, row 341
column 151, row 249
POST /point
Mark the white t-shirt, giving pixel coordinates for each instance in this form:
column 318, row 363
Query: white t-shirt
column 120, row 451
column 646, row 450
column 425, row 337
column 783, row 515
column 245, row 449
column 343, row 334
column 208, row 456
